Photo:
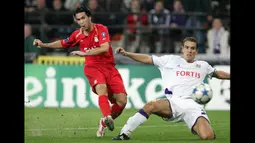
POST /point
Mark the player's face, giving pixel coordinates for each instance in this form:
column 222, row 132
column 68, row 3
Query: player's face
column 83, row 20
column 189, row 51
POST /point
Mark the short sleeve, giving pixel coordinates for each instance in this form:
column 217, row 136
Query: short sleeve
column 103, row 35
column 210, row 70
column 70, row 41
column 160, row 61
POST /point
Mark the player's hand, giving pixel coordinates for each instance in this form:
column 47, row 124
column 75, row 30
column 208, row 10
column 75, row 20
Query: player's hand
column 37, row 43
column 78, row 53
column 121, row 51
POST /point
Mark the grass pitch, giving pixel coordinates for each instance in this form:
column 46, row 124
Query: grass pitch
column 76, row 125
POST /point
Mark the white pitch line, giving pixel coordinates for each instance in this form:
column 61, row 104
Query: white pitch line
column 93, row 128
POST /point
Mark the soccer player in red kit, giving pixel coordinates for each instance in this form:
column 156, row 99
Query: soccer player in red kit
column 105, row 80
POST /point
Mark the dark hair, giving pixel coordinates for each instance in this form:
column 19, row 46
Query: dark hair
column 82, row 8
column 192, row 39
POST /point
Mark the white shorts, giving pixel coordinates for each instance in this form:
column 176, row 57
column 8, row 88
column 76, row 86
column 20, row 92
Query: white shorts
column 186, row 110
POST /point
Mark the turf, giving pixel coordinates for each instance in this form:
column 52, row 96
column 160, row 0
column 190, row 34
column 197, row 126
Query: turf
column 77, row 125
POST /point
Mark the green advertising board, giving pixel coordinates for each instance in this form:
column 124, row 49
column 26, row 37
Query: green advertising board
column 67, row 87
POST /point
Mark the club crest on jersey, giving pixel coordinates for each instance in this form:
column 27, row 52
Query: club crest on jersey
column 95, row 39
column 198, row 65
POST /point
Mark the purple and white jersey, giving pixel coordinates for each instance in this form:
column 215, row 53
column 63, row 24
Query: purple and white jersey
column 179, row 76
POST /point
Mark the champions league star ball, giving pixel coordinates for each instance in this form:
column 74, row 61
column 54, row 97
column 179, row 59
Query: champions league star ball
column 202, row 93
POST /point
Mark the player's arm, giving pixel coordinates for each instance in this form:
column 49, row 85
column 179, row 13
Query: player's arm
column 221, row 74
column 97, row 51
column 104, row 42
column 104, row 47
column 64, row 43
column 40, row 44
column 143, row 58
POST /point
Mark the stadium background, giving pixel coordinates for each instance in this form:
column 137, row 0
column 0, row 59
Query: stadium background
column 59, row 104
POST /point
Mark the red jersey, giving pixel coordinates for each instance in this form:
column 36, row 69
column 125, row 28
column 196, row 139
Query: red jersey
column 96, row 37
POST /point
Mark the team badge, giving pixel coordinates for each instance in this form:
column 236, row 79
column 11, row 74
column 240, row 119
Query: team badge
column 95, row 39
column 103, row 34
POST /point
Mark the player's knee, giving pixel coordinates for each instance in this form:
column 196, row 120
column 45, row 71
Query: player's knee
column 101, row 89
column 102, row 93
column 149, row 107
column 122, row 100
column 207, row 136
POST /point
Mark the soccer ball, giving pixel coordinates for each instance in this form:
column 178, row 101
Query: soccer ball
column 202, row 93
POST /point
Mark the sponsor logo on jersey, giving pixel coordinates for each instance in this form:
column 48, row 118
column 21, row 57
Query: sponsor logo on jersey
column 188, row 74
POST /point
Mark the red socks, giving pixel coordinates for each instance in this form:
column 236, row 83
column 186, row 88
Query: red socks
column 116, row 110
column 106, row 109
column 104, row 105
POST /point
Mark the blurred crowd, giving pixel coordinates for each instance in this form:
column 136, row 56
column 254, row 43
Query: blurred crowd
column 148, row 26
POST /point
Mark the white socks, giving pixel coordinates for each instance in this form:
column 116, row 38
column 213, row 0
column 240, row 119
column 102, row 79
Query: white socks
column 133, row 122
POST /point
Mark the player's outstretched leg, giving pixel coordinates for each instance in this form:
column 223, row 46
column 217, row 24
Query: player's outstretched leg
column 132, row 123
column 159, row 107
